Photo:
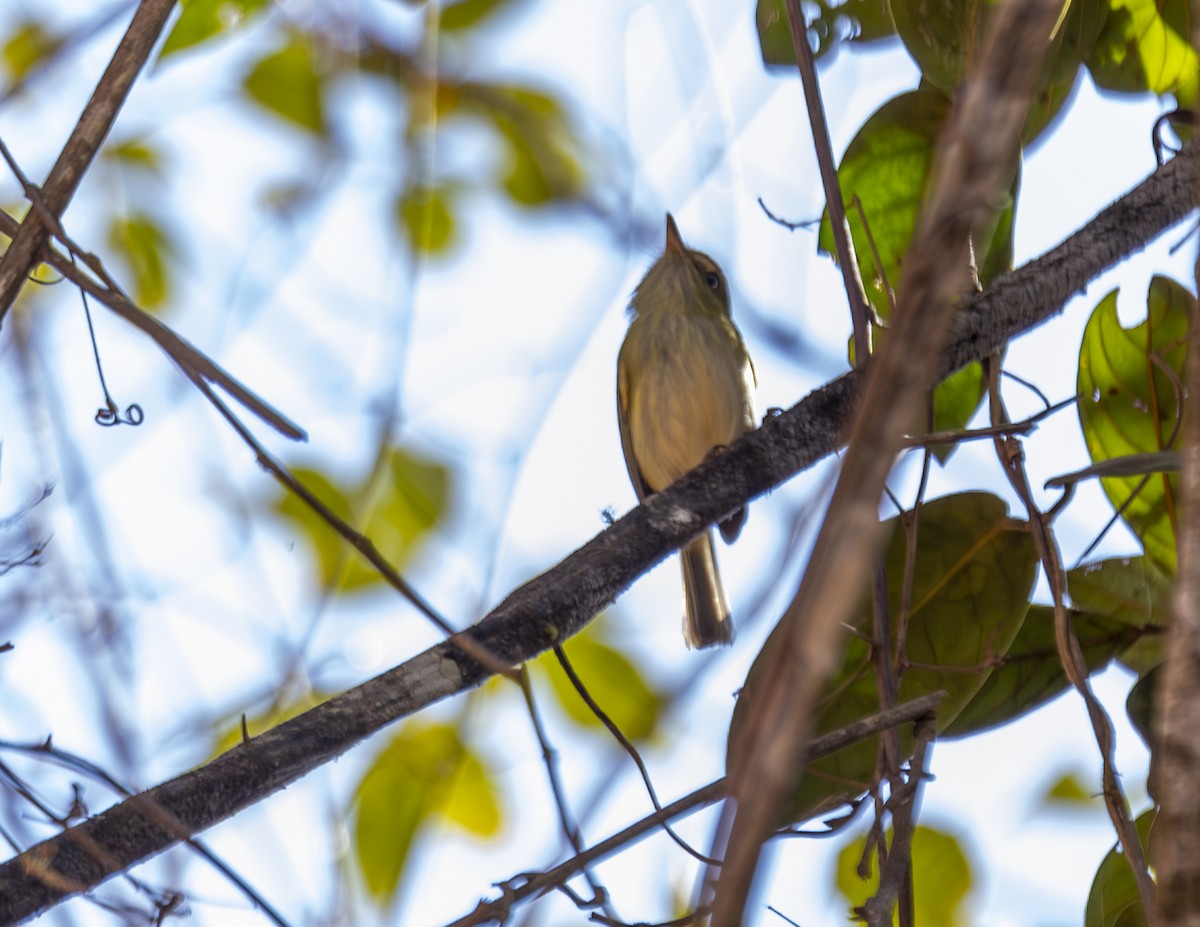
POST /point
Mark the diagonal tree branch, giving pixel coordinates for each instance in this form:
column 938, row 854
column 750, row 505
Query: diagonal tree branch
column 552, row 607
column 93, row 127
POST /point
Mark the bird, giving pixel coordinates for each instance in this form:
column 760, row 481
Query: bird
column 685, row 390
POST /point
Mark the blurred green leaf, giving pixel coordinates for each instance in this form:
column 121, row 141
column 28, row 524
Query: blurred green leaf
column 1140, row 703
column 134, row 154
column 613, row 681
column 287, row 83
column 955, row 400
column 1068, row 790
column 410, row 502
column 542, row 164
column 142, row 244
column 974, row 568
column 830, row 23
column 425, row 771
column 942, row 877
column 1129, row 405
column 1114, row 900
column 27, row 46
column 426, row 215
column 1146, row 47
column 202, row 20
column 468, row 13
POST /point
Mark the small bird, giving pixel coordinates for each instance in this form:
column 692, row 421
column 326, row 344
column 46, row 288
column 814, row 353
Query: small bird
column 685, row 388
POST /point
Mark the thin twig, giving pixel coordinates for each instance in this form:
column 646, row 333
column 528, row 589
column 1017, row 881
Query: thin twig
column 77, row 154
column 532, row 885
column 1011, row 457
column 627, row 745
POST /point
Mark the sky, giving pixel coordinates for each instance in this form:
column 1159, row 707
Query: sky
column 501, row 361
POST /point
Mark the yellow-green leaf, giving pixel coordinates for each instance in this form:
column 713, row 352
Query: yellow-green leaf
column 27, row 46
column 202, row 20
column 1128, row 404
column 614, row 682
column 288, row 83
column 466, row 14
column 145, row 248
column 426, row 215
column 1146, row 46
column 424, row 771
column 408, row 505
column 942, row 877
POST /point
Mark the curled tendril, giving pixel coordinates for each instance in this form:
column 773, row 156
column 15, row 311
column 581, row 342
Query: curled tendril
column 111, row 415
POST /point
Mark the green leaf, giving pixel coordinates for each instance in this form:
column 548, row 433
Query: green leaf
column 882, row 178
column 942, row 877
column 1140, row 705
column 202, row 20
column 1069, row 791
column 27, row 46
column 541, row 161
column 830, row 23
column 134, row 154
column 1146, row 47
column 425, row 771
column 974, row 568
column 468, row 13
column 287, row 83
column 1030, row 672
column 955, row 400
column 613, row 681
column 1114, row 900
column 427, row 218
column 410, row 502
column 1129, row 405
column 145, row 248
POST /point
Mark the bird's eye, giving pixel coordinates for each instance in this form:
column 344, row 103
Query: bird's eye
column 713, row 280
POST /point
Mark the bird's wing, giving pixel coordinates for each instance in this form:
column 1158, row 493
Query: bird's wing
column 623, row 398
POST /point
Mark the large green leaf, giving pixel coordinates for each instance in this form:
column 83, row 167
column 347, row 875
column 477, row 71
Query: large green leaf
column 425, row 771
column 409, row 504
column 1118, row 607
column 614, row 682
column 974, row 568
column 882, row 178
column 941, row 872
column 1114, row 900
column 288, row 83
column 1129, row 405
column 1146, row 46
column 830, row 23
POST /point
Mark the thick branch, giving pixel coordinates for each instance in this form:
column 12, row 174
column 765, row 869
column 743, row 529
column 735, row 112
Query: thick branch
column 557, row 604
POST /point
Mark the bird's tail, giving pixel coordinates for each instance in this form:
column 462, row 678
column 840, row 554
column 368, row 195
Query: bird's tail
column 706, row 620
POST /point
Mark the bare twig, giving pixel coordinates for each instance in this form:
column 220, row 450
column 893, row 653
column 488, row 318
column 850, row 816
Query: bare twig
column 844, row 248
column 85, row 141
column 973, row 164
column 1011, row 457
column 533, row 885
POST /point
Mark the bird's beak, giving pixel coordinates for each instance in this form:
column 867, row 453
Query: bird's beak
column 675, row 244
